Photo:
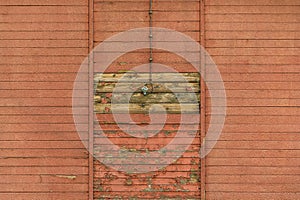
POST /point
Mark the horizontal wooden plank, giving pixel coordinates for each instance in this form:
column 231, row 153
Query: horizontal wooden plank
column 59, row 170
column 40, row 145
column 44, row 135
column 103, row 87
column 253, row 196
column 176, row 25
column 254, row 60
column 263, row 119
column 101, row 36
column 253, row 9
column 260, row 145
column 252, row 26
column 144, row 6
column 42, row 102
column 46, row 195
column 81, row 94
column 140, row 150
column 137, row 108
column 258, row 111
column 142, row 118
column 259, row 102
column 107, row 1
column 142, row 77
column 253, row 153
column 253, row 51
column 287, row 188
column 258, row 18
column 44, row 3
column 256, row 179
column 181, row 48
column 122, row 189
column 42, row 18
column 44, row 60
column 125, row 65
column 165, row 134
column 170, row 168
column 31, row 153
column 7, row 128
column 141, row 181
column 270, row 68
column 248, row 43
column 25, row 179
column 143, row 188
column 259, row 85
column 262, row 170
column 44, row 26
column 149, row 195
column 158, row 98
column 64, row 179
column 128, row 1
column 251, row 35
column 162, row 176
column 253, row 162
column 261, row 136
column 253, row 2
column 41, row 68
column 43, row 51
column 120, row 160
column 62, row 43
column 269, row 120
column 43, row 162
column 259, row 94
column 39, row 35
column 42, row 86
column 41, row 77
column 43, row 187
column 54, row 9
column 161, row 58
column 36, row 101
column 145, row 165
column 43, row 111
column 192, row 156
column 166, row 16
column 138, row 142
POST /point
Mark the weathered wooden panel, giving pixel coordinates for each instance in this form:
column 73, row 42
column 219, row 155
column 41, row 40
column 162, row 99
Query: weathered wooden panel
column 255, row 45
column 136, row 77
column 182, row 178
column 145, row 108
column 174, row 102
column 158, row 88
column 150, row 98
column 42, row 45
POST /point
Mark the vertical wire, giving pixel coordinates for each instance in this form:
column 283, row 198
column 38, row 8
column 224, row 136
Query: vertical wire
column 150, row 40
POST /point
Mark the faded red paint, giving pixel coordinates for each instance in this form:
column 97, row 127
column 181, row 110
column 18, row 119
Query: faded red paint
column 255, row 45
